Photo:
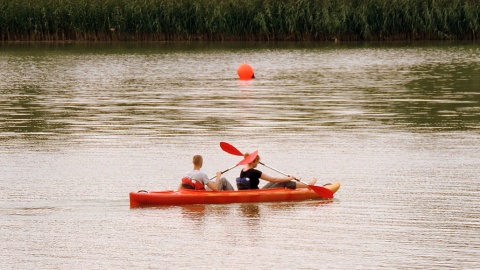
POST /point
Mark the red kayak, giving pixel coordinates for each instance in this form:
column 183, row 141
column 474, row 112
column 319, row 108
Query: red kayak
column 186, row 196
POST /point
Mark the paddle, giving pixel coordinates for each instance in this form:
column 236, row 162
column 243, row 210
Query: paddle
column 244, row 161
column 322, row 191
column 230, row 149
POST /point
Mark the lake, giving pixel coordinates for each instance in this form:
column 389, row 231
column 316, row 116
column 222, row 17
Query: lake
column 82, row 125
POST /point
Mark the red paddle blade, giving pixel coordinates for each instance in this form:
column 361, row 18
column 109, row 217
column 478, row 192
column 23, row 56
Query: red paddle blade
column 230, row 149
column 249, row 159
column 322, row 191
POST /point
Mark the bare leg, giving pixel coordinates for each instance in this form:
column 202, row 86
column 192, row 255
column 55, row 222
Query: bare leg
column 302, row 185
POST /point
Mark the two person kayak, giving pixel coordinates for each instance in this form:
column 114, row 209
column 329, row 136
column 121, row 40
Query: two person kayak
column 185, row 196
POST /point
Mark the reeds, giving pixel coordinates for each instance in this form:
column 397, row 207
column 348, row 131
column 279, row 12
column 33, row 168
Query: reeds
column 153, row 20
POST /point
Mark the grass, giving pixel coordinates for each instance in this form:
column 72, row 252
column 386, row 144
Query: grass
column 316, row 20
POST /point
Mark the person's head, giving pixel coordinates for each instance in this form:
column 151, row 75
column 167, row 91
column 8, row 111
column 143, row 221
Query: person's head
column 197, row 160
column 255, row 162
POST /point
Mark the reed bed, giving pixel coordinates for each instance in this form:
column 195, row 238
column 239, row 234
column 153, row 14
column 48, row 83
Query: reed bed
column 172, row 20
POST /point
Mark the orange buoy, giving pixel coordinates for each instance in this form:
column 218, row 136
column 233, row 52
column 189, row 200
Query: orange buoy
column 245, row 72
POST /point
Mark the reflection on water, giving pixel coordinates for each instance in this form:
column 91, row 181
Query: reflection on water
column 444, row 97
column 83, row 125
column 250, row 211
column 194, row 212
column 75, row 95
column 33, row 211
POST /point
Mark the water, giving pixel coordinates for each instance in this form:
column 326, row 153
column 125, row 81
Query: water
column 83, row 125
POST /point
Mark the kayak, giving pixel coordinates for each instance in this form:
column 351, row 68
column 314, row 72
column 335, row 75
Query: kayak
column 188, row 196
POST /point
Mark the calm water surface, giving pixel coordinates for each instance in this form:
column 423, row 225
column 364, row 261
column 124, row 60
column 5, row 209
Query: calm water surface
column 83, row 125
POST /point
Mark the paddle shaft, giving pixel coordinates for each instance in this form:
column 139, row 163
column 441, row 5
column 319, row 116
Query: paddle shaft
column 234, row 151
column 322, row 191
column 282, row 172
column 244, row 161
column 225, row 171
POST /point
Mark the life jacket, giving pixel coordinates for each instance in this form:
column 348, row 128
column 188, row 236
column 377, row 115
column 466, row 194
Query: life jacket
column 192, row 184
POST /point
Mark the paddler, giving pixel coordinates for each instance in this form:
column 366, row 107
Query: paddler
column 196, row 179
column 250, row 178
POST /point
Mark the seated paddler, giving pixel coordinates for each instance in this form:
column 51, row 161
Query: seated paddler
column 198, row 180
column 250, row 178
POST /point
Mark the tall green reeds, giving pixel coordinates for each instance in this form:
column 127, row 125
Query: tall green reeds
column 145, row 20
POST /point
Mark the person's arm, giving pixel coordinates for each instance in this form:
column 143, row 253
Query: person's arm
column 272, row 179
column 216, row 184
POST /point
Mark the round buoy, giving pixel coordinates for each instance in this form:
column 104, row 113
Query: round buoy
column 245, row 72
